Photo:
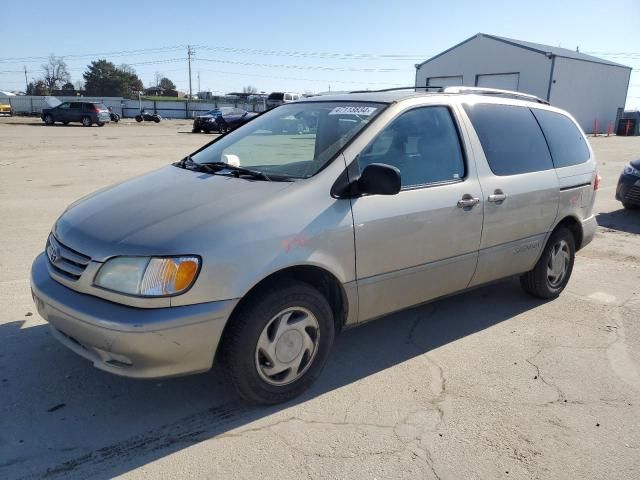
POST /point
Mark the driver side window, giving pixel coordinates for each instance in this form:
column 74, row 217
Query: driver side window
column 423, row 143
column 64, row 106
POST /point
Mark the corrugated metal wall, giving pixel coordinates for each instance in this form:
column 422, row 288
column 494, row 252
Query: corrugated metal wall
column 129, row 108
column 481, row 56
column 589, row 91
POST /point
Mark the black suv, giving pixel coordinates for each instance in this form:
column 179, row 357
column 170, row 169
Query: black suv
column 86, row 113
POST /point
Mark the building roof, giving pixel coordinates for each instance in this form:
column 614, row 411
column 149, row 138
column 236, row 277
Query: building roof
column 536, row 47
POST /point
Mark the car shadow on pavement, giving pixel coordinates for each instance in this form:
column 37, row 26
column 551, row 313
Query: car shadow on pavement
column 624, row 220
column 62, row 417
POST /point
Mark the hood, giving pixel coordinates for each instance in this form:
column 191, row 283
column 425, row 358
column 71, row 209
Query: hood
column 635, row 163
column 160, row 213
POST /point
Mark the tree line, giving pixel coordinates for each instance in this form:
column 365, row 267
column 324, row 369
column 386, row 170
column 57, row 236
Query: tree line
column 101, row 78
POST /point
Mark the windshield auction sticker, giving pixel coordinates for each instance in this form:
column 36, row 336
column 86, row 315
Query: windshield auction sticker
column 353, row 110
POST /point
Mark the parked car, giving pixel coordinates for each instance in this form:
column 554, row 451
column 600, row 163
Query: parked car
column 86, row 113
column 147, row 117
column 115, row 118
column 223, row 120
column 5, row 109
column 256, row 250
column 280, row 98
column 628, row 190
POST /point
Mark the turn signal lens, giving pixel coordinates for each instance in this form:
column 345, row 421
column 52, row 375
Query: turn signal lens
column 596, row 182
column 169, row 276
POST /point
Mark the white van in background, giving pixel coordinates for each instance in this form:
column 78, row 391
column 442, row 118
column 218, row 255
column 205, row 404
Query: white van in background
column 280, row 98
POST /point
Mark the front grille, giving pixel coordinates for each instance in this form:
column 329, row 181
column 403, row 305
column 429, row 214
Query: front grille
column 65, row 261
column 633, row 195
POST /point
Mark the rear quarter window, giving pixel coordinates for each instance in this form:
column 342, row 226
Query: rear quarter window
column 566, row 142
column 511, row 138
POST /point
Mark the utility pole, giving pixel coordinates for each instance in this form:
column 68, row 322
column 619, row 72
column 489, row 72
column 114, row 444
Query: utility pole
column 199, row 82
column 26, row 82
column 189, row 53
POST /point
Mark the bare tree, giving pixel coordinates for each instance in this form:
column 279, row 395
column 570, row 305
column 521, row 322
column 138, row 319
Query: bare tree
column 157, row 77
column 127, row 68
column 250, row 89
column 55, row 72
column 79, row 84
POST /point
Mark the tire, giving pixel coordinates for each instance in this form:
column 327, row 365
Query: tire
column 65, row 123
column 195, row 130
column 223, row 128
column 630, row 206
column 138, row 118
column 86, row 121
column 48, row 119
column 156, row 119
column 206, row 130
column 548, row 278
column 247, row 364
column 101, row 124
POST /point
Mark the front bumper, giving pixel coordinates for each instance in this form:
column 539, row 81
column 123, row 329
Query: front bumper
column 628, row 190
column 129, row 341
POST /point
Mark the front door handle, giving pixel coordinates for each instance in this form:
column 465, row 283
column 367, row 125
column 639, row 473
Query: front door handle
column 467, row 201
column 498, row 196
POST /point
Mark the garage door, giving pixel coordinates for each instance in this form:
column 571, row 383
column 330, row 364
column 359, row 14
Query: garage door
column 505, row 81
column 452, row 81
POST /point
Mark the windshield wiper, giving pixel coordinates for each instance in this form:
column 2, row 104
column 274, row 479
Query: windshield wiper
column 214, row 167
column 217, row 166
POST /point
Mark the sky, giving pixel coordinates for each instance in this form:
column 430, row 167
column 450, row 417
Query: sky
column 310, row 46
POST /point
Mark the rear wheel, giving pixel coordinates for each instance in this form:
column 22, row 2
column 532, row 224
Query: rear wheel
column 138, row 118
column 278, row 343
column 553, row 270
column 101, row 124
column 48, row 119
column 156, row 119
column 195, row 130
column 629, row 206
column 86, row 121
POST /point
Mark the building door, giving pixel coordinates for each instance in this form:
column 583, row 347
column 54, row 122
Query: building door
column 503, row 81
column 451, row 81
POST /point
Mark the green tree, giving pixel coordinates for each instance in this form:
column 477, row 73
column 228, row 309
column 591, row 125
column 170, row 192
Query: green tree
column 166, row 84
column 68, row 87
column 103, row 78
column 37, row 88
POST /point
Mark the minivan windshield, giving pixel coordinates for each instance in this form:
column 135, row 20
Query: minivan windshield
column 295, row 140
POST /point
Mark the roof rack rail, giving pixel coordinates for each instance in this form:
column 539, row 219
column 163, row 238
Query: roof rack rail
column 495, row 91
column 393, row 89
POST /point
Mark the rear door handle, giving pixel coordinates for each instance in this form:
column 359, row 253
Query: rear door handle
column 467, row 201
column 497, row 196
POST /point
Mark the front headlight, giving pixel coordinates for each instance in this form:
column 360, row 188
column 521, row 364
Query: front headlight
column 148, row 276
column 631, row 170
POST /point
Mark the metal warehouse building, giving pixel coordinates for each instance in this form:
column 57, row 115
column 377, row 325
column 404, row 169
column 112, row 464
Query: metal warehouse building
column 590, row 88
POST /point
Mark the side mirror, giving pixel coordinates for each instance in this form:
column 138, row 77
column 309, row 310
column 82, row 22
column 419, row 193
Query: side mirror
column 379, row 179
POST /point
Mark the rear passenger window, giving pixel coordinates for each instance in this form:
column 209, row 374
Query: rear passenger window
column 565, row 140
column 423, row 144
column 511, row 138
column 76, row 104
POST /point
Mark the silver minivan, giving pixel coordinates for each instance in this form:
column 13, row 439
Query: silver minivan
column 258, row 249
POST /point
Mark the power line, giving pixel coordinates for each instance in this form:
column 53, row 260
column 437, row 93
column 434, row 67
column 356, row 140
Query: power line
column 302, row 67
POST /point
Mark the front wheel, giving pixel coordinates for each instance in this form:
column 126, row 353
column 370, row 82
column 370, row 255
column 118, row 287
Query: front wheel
column 223, row 127
column 629, row 206
column 48, row 119
column 138, row 118
column 156, row 119
column 278, row 343
column 86, row 122
column 553, row 270
column 101, row 124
